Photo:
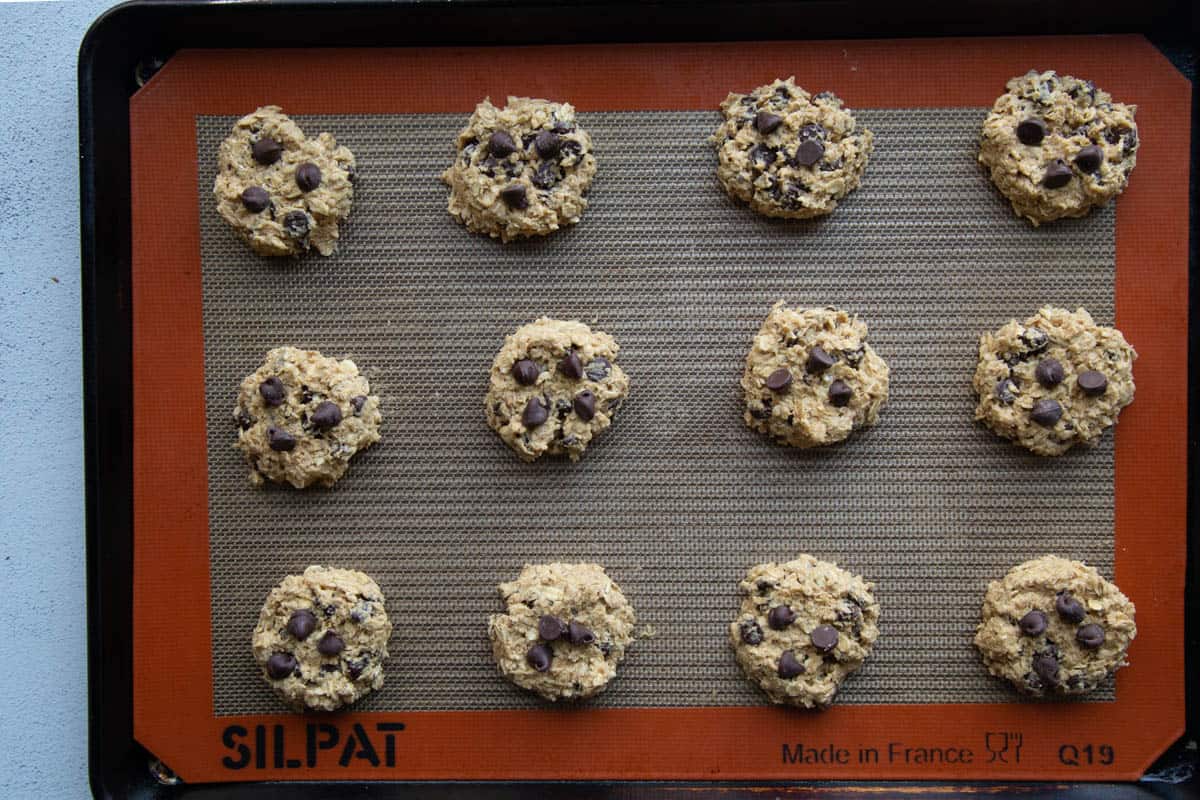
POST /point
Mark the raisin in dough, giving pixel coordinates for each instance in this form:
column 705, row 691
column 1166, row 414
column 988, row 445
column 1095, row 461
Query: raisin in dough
column 1052, row 625
column 1056, row 380
column 280, row 191
column 322, row 638
column 564, row 630
column 1057, row 146
column 521, row 170
column 804, row 627
column 811, row 378
column 301, row 417
column 788, row 153
column 554, row 386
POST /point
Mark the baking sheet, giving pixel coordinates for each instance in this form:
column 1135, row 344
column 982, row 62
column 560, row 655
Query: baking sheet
column 678, row 498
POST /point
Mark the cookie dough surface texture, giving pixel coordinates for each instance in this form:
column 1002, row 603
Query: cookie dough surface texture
column 811, row 378
column 1056, row 146
column 804, row 627
column 1052, row 625
column 282, row 192
column 1053, row 381
column 521, row 170
column 301, row 417
column 788, row 153
column 322, row 638
column 564, row 630
column 554, row 385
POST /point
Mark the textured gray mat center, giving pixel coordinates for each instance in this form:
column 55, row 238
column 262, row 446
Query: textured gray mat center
column 678, row 498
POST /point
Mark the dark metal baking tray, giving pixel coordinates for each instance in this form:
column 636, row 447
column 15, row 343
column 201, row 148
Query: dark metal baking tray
column 130, row 42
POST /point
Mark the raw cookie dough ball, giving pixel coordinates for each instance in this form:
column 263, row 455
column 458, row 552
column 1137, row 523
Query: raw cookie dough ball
column 281, row 192
column 788, row 153
column 1056, row 380
column 554, row 385
column 804, row 627
column 521, row 170
column 564, row 630
column 322, row 638
column 811, row 378
column 301, row 417
column 1057, row 146
column 1054, row 625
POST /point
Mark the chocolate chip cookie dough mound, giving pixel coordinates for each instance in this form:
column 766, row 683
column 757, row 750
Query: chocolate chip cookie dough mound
column 521, row 170
column 301, row 417
column 811, row 378
column 1052, row 625
column 554, row 386
column 804, row 627
column 1053, row 381
column 564, row 630
column 788, row 153
column 322, row 638
column 1057, row 146
column 281, row 192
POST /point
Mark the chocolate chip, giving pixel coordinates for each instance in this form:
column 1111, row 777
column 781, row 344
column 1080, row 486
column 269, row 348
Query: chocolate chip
column 1031, row 131
column 560, row 126
column 751, row 632
column 789, row 665
column 536, row 412
column 255, row 198
column 1092, row 383
column 550, row 628
column 1033, row 623
column 780, row 617
column 501, row 145
column 1049, row 372
column 308, row 176
column 824, row 638
column 539, row 657
column 1005, row 391
column 326, row 415
column 358, row 401
column 779, row 380
column 280, row 440
column 597, row 370
column 840, row 394
column 1130, row 144
column 546, row 175
column 1057, row 175
column 1046, row 667
column 818, row 360
column 301, row 623
column 281, row 665
column 1090, row 636
column 585, row 405
column 578, row 634
column 513, row 196
column 244, row 420
column 295, row 224
column 1046, row 412
column 272, row 391
column 809, row 152
column 305, row 394
column 331, row 644
column 547, row 144
column 766, row 122
column 1069, row 608
column 571, row 366
column 266, row 151
column 355, row 668
column 526, row 371
column 1089, row 158
column 761, row 155
column 1035, row 339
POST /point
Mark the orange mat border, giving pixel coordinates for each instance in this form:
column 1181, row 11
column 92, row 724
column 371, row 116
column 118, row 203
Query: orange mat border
column 173, row 714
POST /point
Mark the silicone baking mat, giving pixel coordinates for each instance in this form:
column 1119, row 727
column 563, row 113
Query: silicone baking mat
column 678, row 497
